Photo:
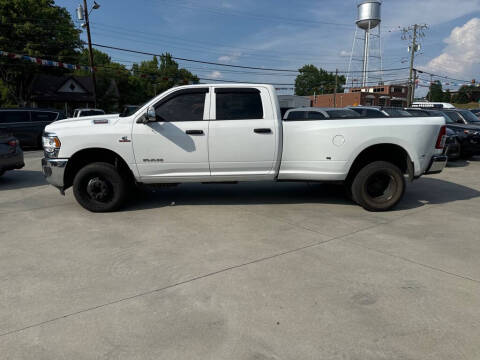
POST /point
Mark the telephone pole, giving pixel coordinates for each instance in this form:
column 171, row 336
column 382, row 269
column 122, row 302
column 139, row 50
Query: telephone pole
column 414, row 85
column 335, row 90
column 83, row 14
column 413, row 33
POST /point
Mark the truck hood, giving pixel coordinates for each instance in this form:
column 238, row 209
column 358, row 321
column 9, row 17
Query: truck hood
column 82, row 122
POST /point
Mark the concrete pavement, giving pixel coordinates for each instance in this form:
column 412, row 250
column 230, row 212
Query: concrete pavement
column 248, row 271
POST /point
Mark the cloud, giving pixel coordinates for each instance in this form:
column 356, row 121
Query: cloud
column 215, row 74
column 432, row 12
column 230, row 58
column 461, row 56
column 227, row 5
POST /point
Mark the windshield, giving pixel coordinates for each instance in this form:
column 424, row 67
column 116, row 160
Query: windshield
column 455, row 116
column 470, row 117
column 91, row 112
column 130, row 110
column 448, row 119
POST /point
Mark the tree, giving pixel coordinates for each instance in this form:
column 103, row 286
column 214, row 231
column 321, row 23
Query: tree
column 447, row 96
column 436, row 92
column 155, row 77
column 313, row 80
column 36, row 28
column 135, row 85
column 464, row 94
column 109, row 75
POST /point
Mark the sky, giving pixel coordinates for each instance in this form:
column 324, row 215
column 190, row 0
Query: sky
column 286, row 34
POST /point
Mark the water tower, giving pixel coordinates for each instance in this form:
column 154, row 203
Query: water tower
column 366, row 61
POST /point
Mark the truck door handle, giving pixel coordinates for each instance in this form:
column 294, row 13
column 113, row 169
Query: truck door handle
column 194, row 132
column 262, row 131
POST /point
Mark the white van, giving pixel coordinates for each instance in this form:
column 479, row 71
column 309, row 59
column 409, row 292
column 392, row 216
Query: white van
column 436, row 105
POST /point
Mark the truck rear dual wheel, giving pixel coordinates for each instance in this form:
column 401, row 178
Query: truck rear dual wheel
column 379, row 186
column 99, row 187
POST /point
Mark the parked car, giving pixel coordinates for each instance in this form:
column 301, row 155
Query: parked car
column 432, row 105
column 460, row 116
column 316, row 113
column 27, row 125
column 476, row 112
column 371, row 112
column 234, row 132
column 466, row 141
column 387, row 111
column 453, row 141
column 11, row 155
column 129, row 110
column 87, row 112
column 468, row 134
column 453, row 145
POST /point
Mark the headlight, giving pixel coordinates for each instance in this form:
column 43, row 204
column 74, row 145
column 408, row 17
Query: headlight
column 51, row 144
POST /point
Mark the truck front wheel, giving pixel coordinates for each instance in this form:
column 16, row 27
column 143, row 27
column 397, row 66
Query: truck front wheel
column 99, row 187
column 378, row 186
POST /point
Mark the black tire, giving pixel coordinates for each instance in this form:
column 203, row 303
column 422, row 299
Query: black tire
column 99, row 187
column 378, row 186
column 465, row 155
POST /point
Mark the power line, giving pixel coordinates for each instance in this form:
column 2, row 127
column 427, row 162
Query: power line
column 256, row 16
column 195, row 61
column 223, row 64
column 441, row 76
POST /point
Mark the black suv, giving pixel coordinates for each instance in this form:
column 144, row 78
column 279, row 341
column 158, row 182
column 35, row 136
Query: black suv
column 11, row 156
column 463, row 138
column 27, row 125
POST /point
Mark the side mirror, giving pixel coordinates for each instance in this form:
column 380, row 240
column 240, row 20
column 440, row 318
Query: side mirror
column 459, row 121
column 149, row 116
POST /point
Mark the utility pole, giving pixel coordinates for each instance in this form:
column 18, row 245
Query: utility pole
column 414, row 85
column 413, row 33
column 90, row 51
column 335, row 90
column 412, row 60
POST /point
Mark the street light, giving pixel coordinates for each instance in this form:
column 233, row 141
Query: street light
column 83, row 14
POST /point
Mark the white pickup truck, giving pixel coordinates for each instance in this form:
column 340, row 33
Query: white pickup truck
column 232, row 133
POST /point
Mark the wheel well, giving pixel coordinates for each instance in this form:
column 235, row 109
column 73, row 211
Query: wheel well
column 88, row 156
column 392, row 153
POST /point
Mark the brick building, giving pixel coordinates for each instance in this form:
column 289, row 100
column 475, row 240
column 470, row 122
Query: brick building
column 379, row 95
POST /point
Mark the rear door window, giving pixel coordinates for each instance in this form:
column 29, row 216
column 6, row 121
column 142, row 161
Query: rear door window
column 305, row 115
column 315, row 115
column 342, row 114
column 397, row 112
column 13, row 117
column 44, row 116
column 297, row 115
column 238, row 104
column 374, row 113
